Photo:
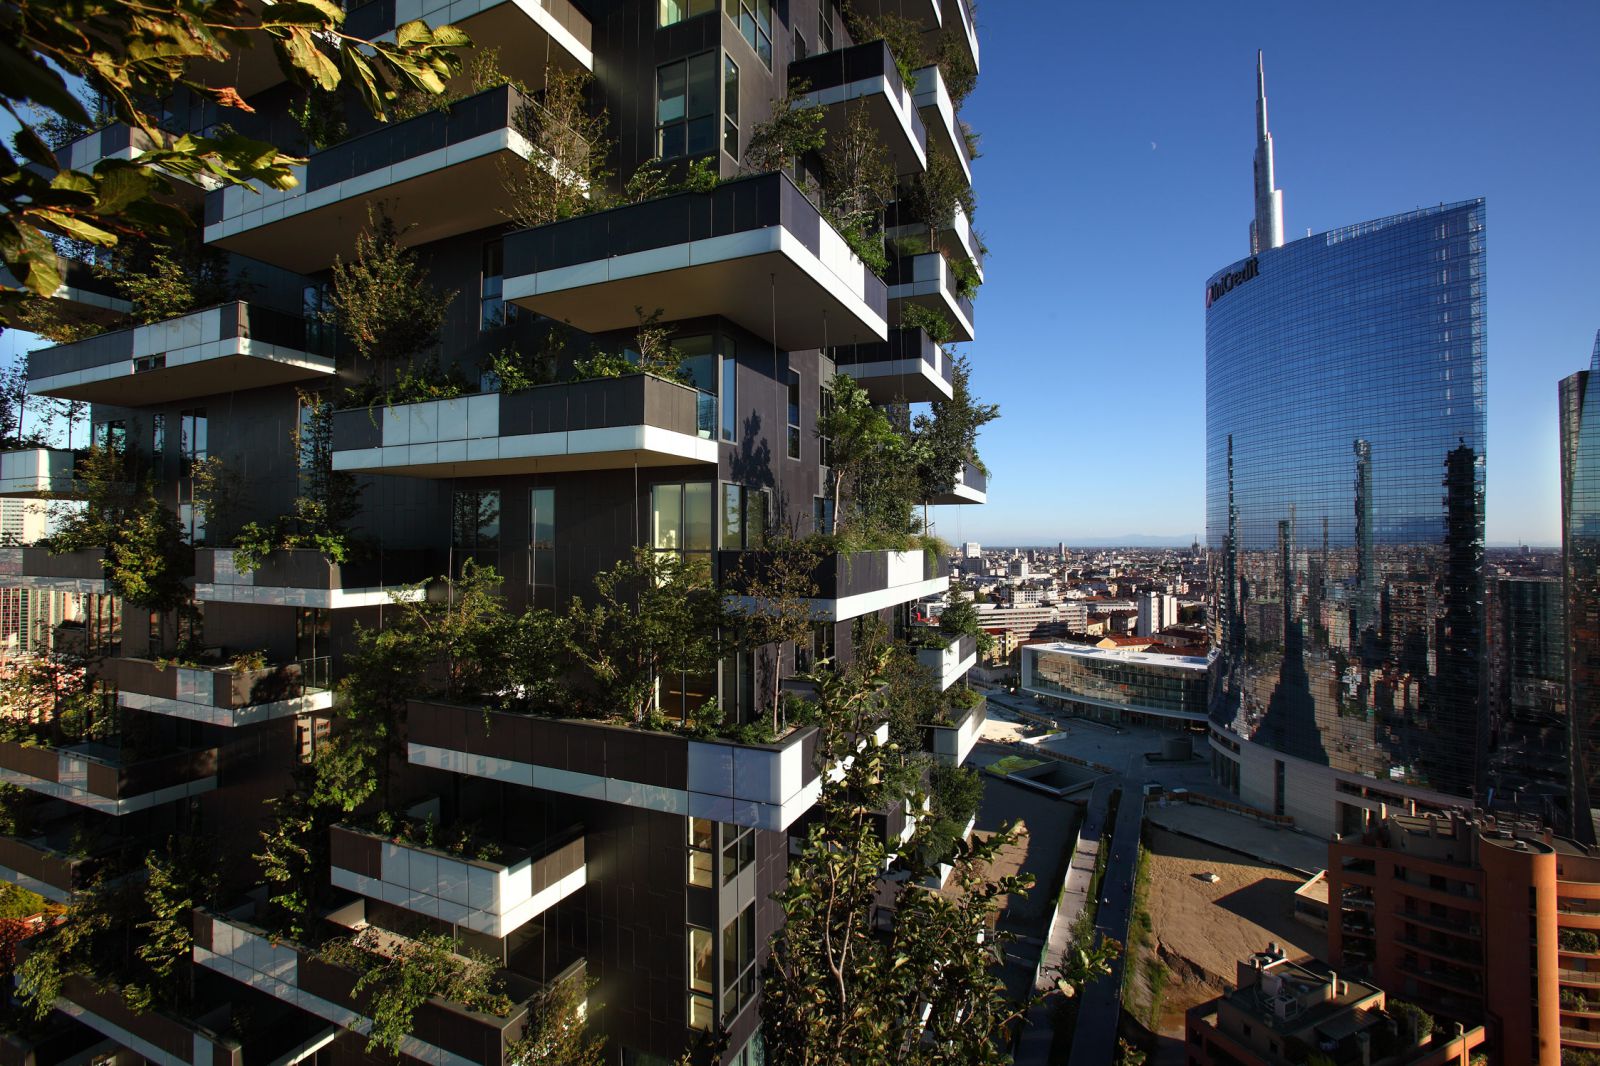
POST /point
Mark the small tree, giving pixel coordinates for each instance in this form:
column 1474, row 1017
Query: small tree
column 1415, row 1025
column 859, row 182
column 557, row 1032
column 569, row 169
column 780, row 583
column 179, row 879
column 655, row 614
column 293, row 858
column 858, row 435
column 947, row 439
column 784, row 139
column 382, row 300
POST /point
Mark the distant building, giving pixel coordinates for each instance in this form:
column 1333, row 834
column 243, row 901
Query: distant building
column 1528, row 763
column 972, row 550
column 1580, row 563
column 1157, row 611
column 1120, row 686
column 1284, row 1013
column 1475, row 917
column 1019, row 568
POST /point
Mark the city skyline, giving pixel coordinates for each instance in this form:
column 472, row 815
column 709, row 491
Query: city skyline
column 1096, row 318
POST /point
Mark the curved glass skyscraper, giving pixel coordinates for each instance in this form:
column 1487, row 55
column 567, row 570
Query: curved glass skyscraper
column 1345, row 403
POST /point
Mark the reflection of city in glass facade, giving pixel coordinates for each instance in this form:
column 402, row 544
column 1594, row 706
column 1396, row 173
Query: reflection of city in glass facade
column 1345, row 401
column 1528, row 751
column 1580, row 551
column 1130, row 684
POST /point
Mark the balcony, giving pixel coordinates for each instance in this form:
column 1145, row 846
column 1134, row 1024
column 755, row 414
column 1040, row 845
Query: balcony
column 949, row 664
column 972, row 486
column 222, row 349
column 864, row 75
column 939, row 116
column 442, row 1032
column 954, row 742
column 84, row 295
column 106, row 779
column 441, row 159
column 81, row 572
column 121, row 141
column 161, row 1038
column 600, row 424
column 753, row 250
column 1572, row 1036
column 305, row 578
column 493, row 898
column 46, row 865
column 766, row 786
column 956, row 237
column 908, row 366
column 958, row 17
column 849, row 584
column 928, row 281
column 222, row 695
column 38, row 473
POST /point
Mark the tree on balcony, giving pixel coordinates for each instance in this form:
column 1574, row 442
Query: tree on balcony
column 788, row 136
column 858, row 183
column 132, row 55
column 780, row 582
column 946, row 439
column 859, row 435
column 384, row 304
column 655, row 614
column 569, row 170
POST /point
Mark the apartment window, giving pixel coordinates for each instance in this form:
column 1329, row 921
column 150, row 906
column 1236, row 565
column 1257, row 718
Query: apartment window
column 744, row 517
column 475, row 530
column 686, row 106
column 192, row 442
column 754, row 19
column 542, row 541
column 811, row 653
column 680, row 517
column 699, row 362
column 826, row 442
column 192, row 628
column 158, row 446
column 701, row 851
column 729, row 398
column 493, row 311
column 822, row 514
column 738, row 850
column 305, row 435
column 738, row 691
column 153, row 633
column 313, row 632
column 702, row 974
column 673, row 11
column 825, row 9
column 794, row 414
column 738, row 962
column 316, row 307
column 730, row 107
column 311, row 732
column 800, row 51
column 110, row 436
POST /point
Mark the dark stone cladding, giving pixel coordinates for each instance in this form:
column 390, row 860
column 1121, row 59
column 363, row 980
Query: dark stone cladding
column 902, row 344
column 599, row 403
column 56, row 869
column 844, row 66
column 171, row 1034
column 107, row 779
column 361, row 852
column 307, row 568
column 739, row 206
column 42, row 562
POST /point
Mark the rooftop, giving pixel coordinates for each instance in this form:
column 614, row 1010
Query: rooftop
column 1088, row 651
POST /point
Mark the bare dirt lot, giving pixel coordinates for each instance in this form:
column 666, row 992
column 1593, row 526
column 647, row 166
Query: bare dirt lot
column 1201, row 930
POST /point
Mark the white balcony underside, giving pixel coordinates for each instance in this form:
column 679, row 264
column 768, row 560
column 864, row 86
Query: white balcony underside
column 209, row 369
column 328, row 599
column 104, row 804
column 34, row 885
column 848, row 607
column 766, row 280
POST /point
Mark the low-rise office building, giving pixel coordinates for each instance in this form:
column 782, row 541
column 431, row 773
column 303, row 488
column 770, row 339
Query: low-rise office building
column 1111, row 685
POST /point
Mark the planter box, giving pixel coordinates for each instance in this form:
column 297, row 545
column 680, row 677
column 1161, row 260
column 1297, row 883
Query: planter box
column 848, row 584
column 951, row 664
column 35, row 473
column 927, row 281
column 865, row 76
column 81, row 572
column 606, row 423
column 161, row 1038
column 953, row 743
column 220, row 695
column 908, row 366
column 443, row 1033
column 493, row 898
column 305, row 578
column 766, row 786
column 36, row 866
column 91, row 775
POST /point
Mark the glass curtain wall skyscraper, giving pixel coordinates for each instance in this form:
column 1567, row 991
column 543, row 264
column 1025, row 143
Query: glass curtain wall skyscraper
column 1580, row 555
column 1345, row 405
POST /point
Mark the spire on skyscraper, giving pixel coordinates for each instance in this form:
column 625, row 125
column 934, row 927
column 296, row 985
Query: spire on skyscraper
column 1266, row 231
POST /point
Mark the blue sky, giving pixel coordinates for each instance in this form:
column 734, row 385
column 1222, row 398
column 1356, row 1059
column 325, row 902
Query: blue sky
column 1115, row 179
